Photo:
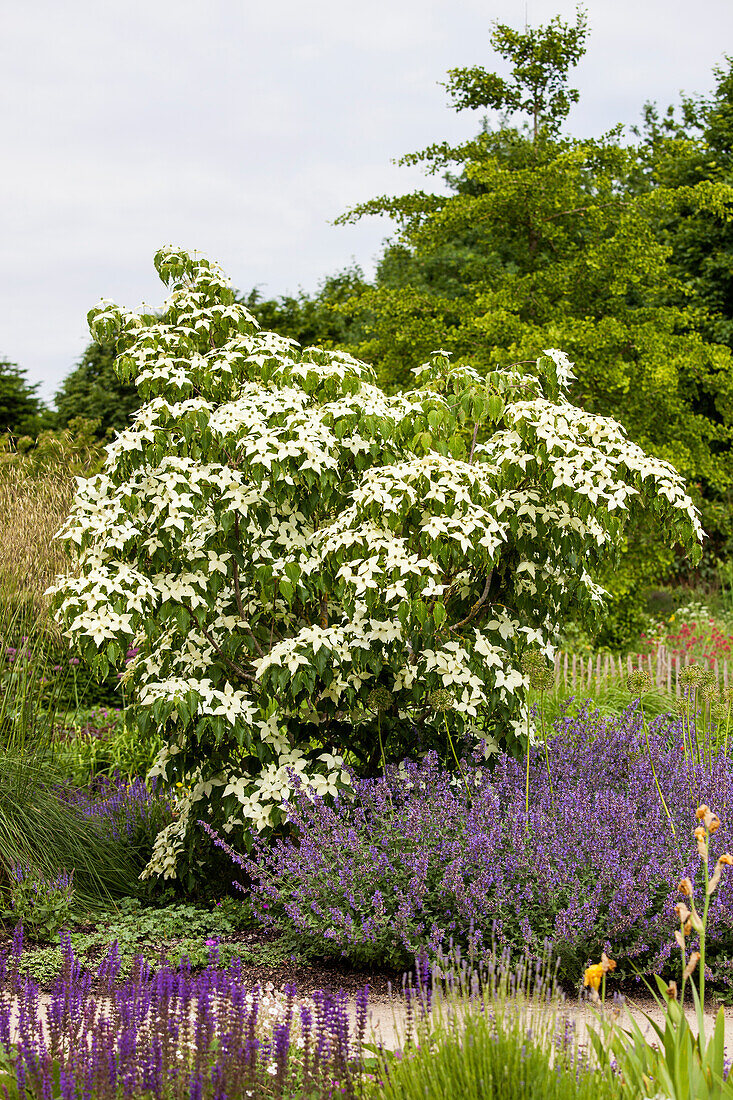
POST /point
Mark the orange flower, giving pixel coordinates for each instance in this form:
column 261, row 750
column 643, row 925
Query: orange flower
column 701, row 811
column 593, row 976
column 726, row 858
column 595, row 973
column 685, row 888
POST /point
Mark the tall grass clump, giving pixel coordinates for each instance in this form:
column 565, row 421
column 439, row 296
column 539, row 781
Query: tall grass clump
column 40, row 830
column 35, row 496
column 496, row 1034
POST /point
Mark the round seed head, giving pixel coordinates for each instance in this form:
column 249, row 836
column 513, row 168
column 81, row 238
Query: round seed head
column 690, row 675
column 638, row 682
column 380, row 699
column 542, row 679
column 440, row 699
column 710, row 691
column 534, row 666
column 531, row 659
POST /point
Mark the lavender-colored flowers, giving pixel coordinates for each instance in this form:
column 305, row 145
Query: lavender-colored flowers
column 41, row 903
column 174, row 1035
column 126, row 808
column 411, row 862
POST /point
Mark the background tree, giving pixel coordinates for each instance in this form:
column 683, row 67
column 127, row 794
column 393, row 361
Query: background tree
column 544, row 240
column 689, row 145
column 685, row 149
column 21, row 410
column 313, row 319
column 93, row 392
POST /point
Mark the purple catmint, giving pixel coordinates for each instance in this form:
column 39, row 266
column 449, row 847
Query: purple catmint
column 405, row 866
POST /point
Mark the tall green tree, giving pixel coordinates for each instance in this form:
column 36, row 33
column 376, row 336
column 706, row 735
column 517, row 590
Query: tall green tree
column 93, row 392
column 313, row 319
column 688, row 145
column 543, row 240
column 21, row 410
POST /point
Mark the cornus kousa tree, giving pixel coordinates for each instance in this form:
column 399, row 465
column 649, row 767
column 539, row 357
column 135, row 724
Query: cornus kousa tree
column 311, row 573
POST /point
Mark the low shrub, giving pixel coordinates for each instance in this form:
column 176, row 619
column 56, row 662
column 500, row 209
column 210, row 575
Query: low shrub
column 41, row 904
column 410, row 862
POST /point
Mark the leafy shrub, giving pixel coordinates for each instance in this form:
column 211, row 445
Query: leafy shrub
column 407, row 863
column 302, row 561
column 41, row 904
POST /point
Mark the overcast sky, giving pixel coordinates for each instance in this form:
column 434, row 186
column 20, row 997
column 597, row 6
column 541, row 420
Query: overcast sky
column 243, row 128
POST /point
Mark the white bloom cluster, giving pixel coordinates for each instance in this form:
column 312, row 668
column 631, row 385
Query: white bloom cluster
column 289, row 551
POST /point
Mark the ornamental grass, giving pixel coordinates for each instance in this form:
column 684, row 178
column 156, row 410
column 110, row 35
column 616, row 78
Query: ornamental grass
column 503, row 1032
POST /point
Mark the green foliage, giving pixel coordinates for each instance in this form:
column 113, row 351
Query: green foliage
column 313, row 319
column 21, row 411
column 171, row 933
column 42, row 905
column 541, row 59
column 103, row 742
column 544, row 240
column 684, row 148
column 93, row 392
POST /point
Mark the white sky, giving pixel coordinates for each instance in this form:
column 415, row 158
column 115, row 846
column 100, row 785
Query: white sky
column 242, row 129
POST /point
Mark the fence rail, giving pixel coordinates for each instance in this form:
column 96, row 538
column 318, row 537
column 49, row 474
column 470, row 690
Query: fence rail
column 577, row 672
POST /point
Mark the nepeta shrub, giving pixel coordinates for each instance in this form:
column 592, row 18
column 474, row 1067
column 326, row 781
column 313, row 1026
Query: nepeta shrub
column 302, row 561
column 410, row 863
column 133, row 812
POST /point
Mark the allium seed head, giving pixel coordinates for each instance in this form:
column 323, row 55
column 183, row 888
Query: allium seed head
column 534, row 666
column 690, row 675
column 380, row 699
column 639, row 682
column 440, row 699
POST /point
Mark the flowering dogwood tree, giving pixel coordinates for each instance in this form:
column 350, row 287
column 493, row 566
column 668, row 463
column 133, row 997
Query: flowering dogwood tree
column 310, row 572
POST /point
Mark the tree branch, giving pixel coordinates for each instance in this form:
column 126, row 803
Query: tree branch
column 473, row 443
column 242, row 673
column 478, row 605
column 584, row 209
